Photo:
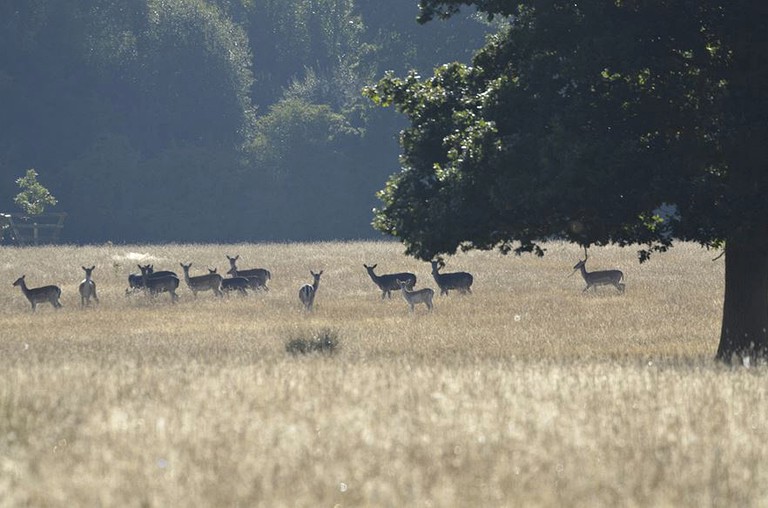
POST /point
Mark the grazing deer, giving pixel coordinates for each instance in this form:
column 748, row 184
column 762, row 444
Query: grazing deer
column 307, row 292
column 159, row 284
column 419, row 296
column 390, row 282
column 462, row 281
column 205, row 282
column 600, row 278
column 50, row 294
column 88, row 287
column 233, row 284
column 258, row 276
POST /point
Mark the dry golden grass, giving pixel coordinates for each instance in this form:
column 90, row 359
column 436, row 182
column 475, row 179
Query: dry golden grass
column 527, row 393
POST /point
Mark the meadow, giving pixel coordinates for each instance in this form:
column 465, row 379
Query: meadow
column 526, row 393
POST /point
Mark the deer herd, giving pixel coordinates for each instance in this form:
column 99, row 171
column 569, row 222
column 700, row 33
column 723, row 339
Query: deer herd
column 154, row 283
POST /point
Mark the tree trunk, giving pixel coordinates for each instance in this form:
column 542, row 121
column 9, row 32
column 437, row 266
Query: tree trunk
column 744, row 333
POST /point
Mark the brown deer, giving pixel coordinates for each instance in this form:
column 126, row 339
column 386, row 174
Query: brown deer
column 205, row 282
column 50, row 294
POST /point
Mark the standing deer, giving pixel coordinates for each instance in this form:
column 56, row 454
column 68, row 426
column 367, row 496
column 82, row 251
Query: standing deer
column 136, row 280
column 159, row 284
column 50, row 294
column 600, row 278
column 307, row 292
column 88, row 287
column 257, row 276
column 254, row 283
column 419, row 296
column 233, row 284
column 462, row 281
column 390, row 282
column 205, row 282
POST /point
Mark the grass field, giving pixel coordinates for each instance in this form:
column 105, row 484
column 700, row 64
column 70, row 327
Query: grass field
column 526, row 393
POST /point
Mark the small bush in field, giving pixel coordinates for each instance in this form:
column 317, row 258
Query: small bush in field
column 323, row 341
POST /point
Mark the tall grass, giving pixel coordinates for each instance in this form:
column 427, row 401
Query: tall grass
column 527, row 392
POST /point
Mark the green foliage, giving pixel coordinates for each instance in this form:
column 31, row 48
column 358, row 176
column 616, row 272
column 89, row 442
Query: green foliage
column 33, row 197
column 324, row 342
column 308, row 187
column 579, row 121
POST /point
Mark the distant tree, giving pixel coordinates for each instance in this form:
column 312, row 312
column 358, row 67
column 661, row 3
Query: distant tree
column 288, row 39
column 33, row 197
column 579, row 121
column 304, row 176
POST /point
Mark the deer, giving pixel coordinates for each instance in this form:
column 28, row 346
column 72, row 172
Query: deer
column 205, row 282
column 599, row 278
column 233, row 284
column 308, row 291
column 390, row 282
column 461, row 281
column 88, row 287
column 418, row 296
column 136, row 280
column 50, row 294
column 159, row 284
column 254, row 283
column 257, row 276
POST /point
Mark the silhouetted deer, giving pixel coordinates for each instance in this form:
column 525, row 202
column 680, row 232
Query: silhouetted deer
column 599, row 278
column 257, row 276
column 461, row 281
column 240, row 284
column 159, row 284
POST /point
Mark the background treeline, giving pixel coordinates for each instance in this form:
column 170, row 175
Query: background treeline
column 209, row 120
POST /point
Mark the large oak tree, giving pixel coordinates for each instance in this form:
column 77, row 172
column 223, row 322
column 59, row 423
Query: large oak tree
column 580, row 120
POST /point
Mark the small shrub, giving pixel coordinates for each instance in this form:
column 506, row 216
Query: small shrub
column 323, row 342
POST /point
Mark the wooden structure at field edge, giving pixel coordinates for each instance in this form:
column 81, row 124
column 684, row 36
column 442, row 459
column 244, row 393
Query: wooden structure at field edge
column 33, row 229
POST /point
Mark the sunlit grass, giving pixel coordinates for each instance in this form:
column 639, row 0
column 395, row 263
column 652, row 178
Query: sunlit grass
column 526, row 393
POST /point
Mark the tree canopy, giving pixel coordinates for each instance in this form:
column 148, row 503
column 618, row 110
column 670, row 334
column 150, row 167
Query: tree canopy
column 581, row 121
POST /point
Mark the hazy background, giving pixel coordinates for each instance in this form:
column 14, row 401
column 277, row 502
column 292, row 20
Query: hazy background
column 215, row 120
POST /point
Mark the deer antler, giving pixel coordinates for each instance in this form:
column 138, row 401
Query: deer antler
column 586, row 255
